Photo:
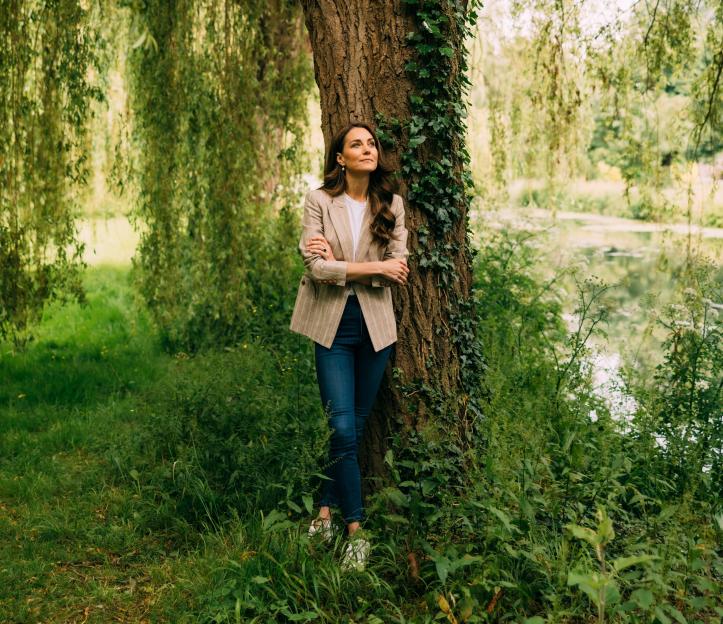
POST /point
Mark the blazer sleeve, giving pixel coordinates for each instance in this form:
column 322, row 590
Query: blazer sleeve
column 315, row 266
column 397, row 247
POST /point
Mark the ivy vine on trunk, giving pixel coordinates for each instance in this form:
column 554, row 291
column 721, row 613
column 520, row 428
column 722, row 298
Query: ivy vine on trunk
column 402, row 65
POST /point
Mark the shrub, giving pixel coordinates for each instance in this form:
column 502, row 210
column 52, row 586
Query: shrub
column 236, row 430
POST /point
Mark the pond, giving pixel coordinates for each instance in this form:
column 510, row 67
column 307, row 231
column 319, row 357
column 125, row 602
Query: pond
column 642, row 262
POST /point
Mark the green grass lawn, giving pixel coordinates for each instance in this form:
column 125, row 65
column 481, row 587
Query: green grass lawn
column 70, row 546
column 79, row 539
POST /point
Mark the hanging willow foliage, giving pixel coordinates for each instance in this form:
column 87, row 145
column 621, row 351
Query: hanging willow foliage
column 218, row 93
column 638, row 90
column 47, row 49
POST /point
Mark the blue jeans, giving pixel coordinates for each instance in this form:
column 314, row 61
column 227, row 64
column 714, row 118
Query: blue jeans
column 349, row 375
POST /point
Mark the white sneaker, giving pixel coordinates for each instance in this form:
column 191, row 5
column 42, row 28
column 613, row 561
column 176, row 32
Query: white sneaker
column 355, row 554
column 323, row 528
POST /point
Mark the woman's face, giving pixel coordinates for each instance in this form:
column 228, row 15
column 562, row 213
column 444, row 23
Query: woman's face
column 359, row 154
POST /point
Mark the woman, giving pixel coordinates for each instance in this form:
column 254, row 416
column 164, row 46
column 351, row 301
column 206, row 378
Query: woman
column 354, row 246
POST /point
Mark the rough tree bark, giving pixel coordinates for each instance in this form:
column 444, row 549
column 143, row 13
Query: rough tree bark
column 360, row 51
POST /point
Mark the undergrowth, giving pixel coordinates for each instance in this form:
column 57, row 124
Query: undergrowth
column 180, row 489
column 550, row 510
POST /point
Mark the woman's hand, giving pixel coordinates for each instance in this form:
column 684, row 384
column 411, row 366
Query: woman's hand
column 320, row 246
column 396, row 270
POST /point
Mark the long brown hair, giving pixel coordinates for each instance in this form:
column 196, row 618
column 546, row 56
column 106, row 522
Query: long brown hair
column 382, row 184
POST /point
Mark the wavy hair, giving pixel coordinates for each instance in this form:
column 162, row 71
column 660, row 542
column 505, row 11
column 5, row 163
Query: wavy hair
column 382, row 184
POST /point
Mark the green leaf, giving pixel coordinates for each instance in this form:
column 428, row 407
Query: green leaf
column 534, row 620
column 605, row 530
column 583, row 533
column 417, row 140
column 464, row 561
column 677, row 614
column 442, row 565
column 276, row 520
column 622, row 563
column 397, row 497
column 612, row 593
column 667, row 512
column 642, row 597
column 304, row 616
column 660, row 614
column 503, row 517
column 308, row 503
column 589, row 583
column 428, row 486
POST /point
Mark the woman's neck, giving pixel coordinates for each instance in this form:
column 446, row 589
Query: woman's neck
column 357, row 187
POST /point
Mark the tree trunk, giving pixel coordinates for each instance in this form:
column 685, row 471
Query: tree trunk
column 360, row 51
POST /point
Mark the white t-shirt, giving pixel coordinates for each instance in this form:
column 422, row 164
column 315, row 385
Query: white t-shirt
column 356, row 215
column 356, row 211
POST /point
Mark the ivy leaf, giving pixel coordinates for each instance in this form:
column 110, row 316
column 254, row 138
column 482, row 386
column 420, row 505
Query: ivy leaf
column 446, row 51
column 417, row 140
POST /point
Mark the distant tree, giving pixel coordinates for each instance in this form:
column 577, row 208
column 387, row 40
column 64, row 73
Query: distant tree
column 46, row 51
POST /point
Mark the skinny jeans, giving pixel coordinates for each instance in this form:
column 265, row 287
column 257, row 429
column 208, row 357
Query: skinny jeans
column 349, row 374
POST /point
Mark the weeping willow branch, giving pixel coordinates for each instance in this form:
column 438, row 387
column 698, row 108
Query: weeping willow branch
column 218, row 94
column 46, row 51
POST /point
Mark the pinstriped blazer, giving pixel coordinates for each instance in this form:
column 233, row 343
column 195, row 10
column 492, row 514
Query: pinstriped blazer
column 319, row 307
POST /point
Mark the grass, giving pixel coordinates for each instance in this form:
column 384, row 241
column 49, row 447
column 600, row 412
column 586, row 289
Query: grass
column 606, row 197
column 79, row 541
column 71, row 548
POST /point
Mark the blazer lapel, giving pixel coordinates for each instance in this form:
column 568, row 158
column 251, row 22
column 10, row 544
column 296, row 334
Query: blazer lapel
column 340, row 219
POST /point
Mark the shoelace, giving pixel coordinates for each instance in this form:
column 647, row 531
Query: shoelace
column 321, row 527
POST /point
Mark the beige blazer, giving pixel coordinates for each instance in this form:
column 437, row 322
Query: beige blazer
column 319, row 307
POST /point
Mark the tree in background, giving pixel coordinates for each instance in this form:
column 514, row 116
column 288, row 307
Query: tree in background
column 218, row 93
column 589, row 88
column 47, row 50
